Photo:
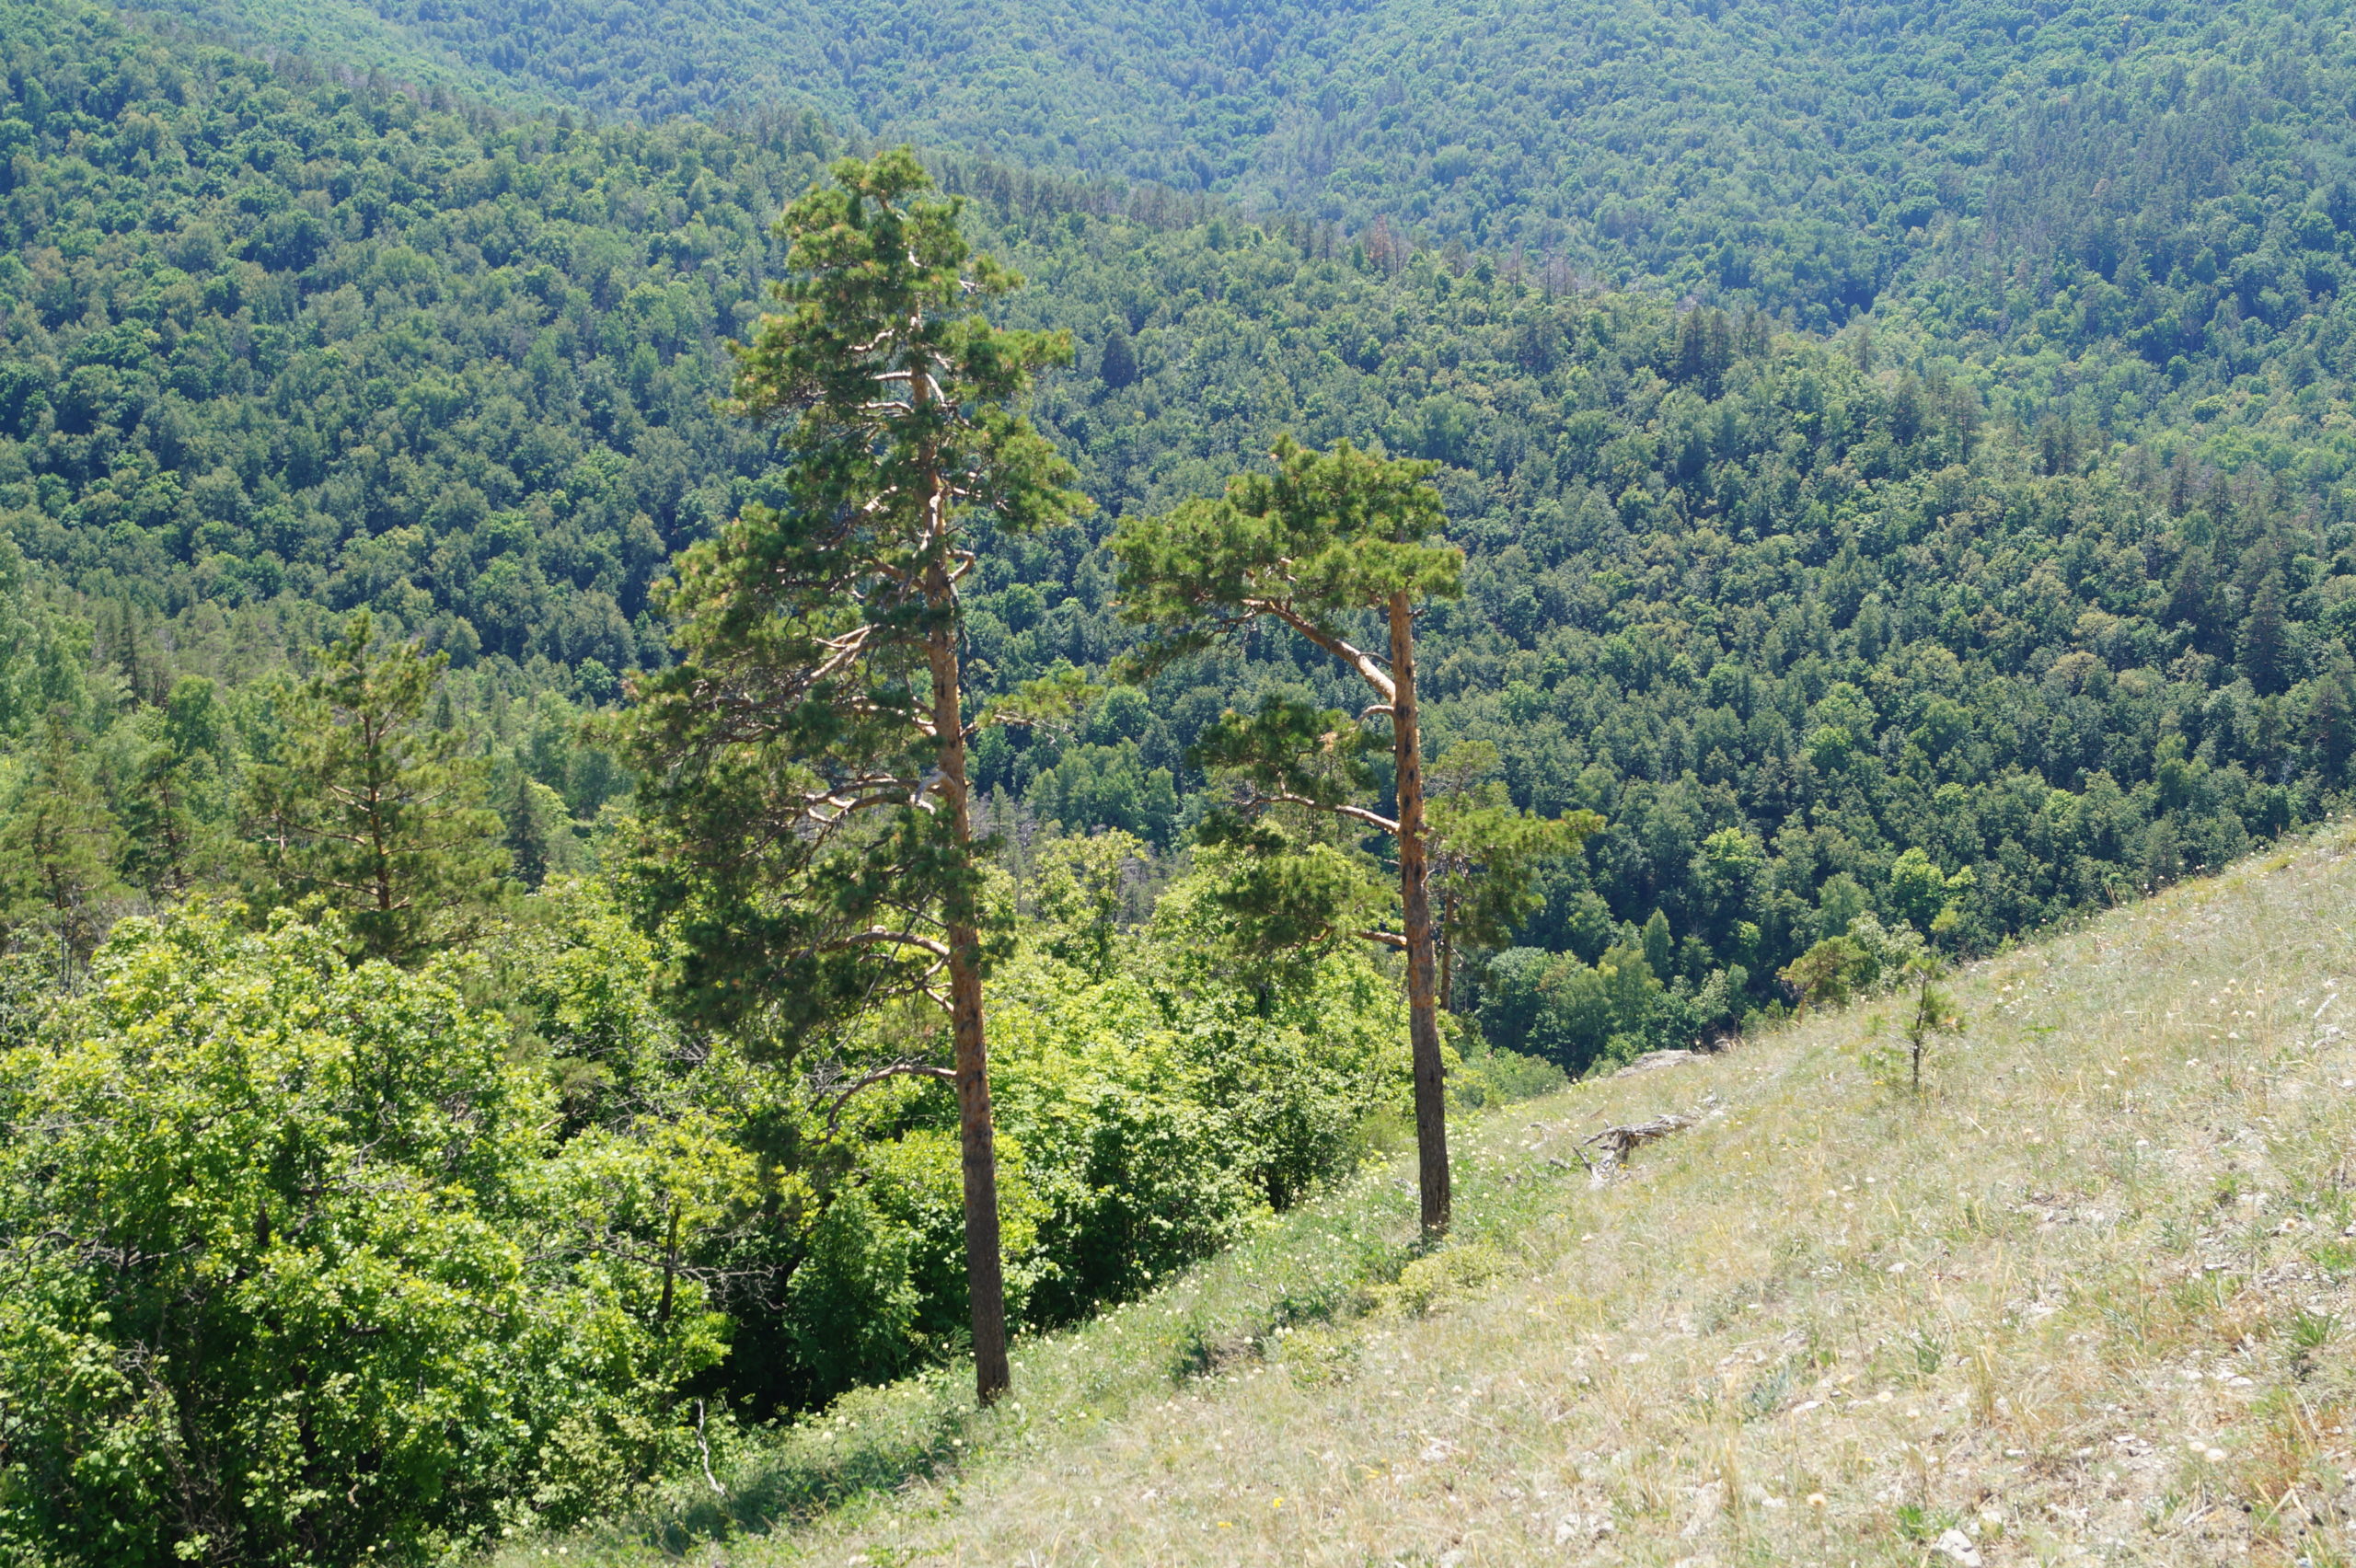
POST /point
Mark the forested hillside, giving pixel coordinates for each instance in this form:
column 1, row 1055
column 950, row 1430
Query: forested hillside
column 2041, row 576
column 1811, row 155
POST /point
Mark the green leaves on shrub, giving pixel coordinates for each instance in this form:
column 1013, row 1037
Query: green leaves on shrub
column 299, row 1270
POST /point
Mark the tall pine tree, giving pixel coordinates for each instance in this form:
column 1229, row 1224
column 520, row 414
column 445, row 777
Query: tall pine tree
column 1325, row 541
column 806, row 825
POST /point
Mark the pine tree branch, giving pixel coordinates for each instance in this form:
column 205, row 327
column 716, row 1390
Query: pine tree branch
column 879, row 936
column 1369, row 667
column 1356, row 814
column 846, row 650
column 909, row 1068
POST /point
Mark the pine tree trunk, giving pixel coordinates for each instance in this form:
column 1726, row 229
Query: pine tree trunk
column 985, row 1275
column 1446, row 946
column 1414, row 896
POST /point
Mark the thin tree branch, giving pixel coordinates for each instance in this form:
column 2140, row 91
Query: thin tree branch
column 897, row 1069
column 1356, row 814
column 879, row 937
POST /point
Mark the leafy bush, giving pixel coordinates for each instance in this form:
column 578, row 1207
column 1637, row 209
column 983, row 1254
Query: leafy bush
column 1151, row 1110
column 299, row 1272
column 1579, row 1016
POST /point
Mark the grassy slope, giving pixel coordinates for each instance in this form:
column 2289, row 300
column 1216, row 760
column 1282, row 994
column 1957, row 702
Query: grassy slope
column 2090, row 1300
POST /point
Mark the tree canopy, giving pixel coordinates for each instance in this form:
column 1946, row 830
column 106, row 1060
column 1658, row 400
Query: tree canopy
column 1888, row 490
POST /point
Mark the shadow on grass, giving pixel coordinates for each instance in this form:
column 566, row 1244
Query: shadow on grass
column 879, row 1440
column 1322, row 1266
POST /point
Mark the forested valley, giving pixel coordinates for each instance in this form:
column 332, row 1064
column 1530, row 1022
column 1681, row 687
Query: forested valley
column 437, row 1100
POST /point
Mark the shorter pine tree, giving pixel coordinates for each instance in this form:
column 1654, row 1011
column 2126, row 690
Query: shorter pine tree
column 176, row 810
column 366, row 808
column 1325, row 542
column 57, row 846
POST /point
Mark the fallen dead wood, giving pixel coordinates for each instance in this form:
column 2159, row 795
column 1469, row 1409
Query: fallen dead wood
column 1617, row 1141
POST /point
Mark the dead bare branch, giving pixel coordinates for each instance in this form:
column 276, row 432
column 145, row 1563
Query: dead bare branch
column 1618, row 1142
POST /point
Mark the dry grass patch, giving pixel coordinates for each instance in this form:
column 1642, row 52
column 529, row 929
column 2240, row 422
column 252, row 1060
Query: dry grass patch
column 2088, row 1299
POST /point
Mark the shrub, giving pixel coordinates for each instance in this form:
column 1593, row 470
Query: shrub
column 299, row 1273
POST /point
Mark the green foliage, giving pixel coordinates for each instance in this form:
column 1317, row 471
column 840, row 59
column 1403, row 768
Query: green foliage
column 57, row 845
column 42, row 654
column 271, row 337
column 1866, row 959
column 177, row 806
column 1902, row 637
column 852, row 1301
column 805, row 816
column 1281, row 891
column 1162, row 1106
column 300, row 1273
column 1327, row 539
column 1325, row 535
column 367, row 809
column 1486, row 858
column 1079, row 895
column 1583, row 139
column 1148, row 1107
column 1929, row 1016
column 1580, row 1017
column 1289, row 751
column 526, row 816
column 1827, row 975
column 1483, row 1075
column 2029, row 589
column 2083, row 430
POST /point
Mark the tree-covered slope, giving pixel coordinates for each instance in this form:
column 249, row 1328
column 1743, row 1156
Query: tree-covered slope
column 1794, row 149
column 2029, row 589
column 2043, row 572
column 265, row 336
column 1778, row 617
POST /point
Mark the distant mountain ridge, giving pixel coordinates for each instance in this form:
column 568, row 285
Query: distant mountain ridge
column 1652, row 141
